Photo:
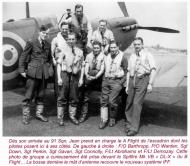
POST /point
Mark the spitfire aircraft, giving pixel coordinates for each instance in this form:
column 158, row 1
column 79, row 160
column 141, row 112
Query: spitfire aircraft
column 165, row 109
column 16, row 33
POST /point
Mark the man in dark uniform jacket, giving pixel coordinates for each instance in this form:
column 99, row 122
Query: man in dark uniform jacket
column 35, row 64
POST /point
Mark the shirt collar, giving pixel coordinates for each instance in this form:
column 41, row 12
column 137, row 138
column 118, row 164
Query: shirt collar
column 40, row 40
column 141, row 52
column 100, row 31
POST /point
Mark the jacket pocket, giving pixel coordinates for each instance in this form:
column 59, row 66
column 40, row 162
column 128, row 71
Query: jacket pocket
column 32, row 69
column 50, row 69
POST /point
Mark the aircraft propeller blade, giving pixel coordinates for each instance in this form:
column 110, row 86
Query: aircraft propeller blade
column 123, row 8
column 159, row 29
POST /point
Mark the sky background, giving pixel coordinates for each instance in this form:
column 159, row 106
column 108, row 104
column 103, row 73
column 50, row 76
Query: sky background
column 164, row 14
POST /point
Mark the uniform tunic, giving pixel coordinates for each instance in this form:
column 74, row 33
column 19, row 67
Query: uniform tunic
column 36, row 62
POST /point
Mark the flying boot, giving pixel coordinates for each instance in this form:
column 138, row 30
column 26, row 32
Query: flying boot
column 39, row 112
column 72, row 114
column 104, row 117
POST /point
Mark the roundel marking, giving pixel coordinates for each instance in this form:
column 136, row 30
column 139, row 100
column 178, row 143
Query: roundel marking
column 13, row 46
column 14, row 37
column 10, row 55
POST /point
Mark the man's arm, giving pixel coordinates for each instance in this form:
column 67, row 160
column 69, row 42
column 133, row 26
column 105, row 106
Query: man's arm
column 59, row 79
column 68, row 21
column 111, row 36
column 50, row 56
column 89, row 36
column 24, row 57
column 81, row 79
column 53, row 49
column 152, row 73
column 124, row 65
column 101, row 70
column 152, row 76
column 86, row 67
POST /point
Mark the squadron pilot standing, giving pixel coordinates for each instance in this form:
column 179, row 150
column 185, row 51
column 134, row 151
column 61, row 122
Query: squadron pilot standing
column 70, row 78
column 94, row 68
column 141, row 74
column 114, row 77
column 35, row 64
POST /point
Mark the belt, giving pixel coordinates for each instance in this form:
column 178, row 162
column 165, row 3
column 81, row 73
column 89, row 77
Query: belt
column 113, row 78
column 69, row 73
column 142, row 76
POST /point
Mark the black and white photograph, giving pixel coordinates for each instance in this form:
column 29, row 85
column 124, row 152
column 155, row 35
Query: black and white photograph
column 97, row 68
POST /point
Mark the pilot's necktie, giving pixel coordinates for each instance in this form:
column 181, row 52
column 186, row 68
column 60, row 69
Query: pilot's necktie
column 73, row 59
column 94, row 63
column 73, row 50
column 43, row 44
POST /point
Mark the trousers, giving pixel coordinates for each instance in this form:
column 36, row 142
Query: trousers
column 110, row 92
column 68, row 93
column 35, row 88
column 136, row 93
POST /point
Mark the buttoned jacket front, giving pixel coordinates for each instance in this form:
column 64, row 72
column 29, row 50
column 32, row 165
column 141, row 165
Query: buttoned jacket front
column 35, row 61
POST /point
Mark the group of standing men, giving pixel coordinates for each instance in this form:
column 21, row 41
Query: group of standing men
column 83, row 59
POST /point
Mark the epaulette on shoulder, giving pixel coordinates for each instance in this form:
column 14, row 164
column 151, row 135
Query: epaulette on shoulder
column 30, row 42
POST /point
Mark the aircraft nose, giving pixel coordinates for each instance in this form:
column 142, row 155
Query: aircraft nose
column 130, row 27
column 124, row 29
column 124, row 23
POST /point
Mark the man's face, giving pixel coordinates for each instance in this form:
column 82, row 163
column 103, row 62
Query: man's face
column 68, row 12
column 64, row 29
column 71, row 40
column 113, row 48
column 44, row 34
column 96, row 49
column 138, row 45
column 79, row 12
column 102, row 26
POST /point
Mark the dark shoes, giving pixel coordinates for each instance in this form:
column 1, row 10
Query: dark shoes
column 26, row 120
column 82, row 118
column 111, row 122
column 72, row 114
column 131, row 133
column 84, row 113
column 103, row 124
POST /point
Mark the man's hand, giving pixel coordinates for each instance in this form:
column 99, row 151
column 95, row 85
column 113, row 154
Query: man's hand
column 60, row 82
column 149, row 88
column 89, row 78
column 126, row 89
column 54, row 61
column 23, row 74
column 57, row 50
column 80, row 83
